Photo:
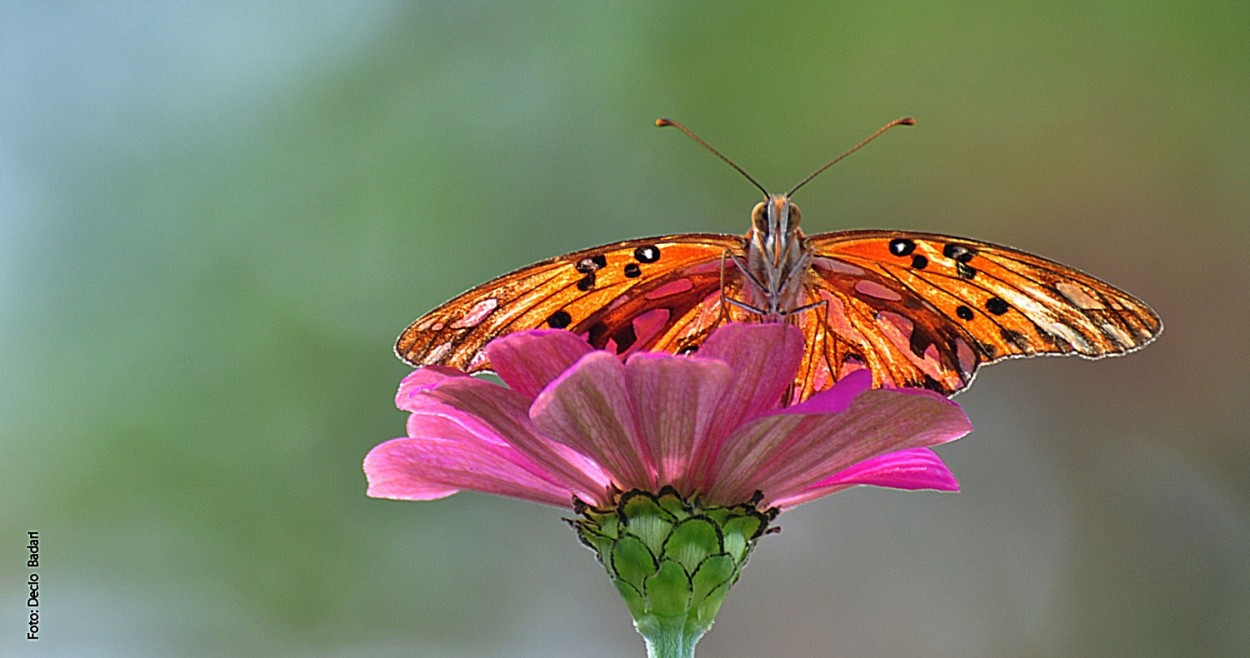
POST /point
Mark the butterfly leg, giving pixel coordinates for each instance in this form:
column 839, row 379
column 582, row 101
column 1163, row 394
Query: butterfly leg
column 808, row 307
column 737, row 261
column 803, row 386
column 751, row 279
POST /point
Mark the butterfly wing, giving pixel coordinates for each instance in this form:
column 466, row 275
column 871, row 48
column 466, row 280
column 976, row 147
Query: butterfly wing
column 658, row 293
column 922, row 309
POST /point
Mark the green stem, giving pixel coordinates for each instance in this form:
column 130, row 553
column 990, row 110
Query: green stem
column 669, row 637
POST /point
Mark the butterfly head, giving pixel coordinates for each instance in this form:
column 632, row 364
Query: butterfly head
column 775, row 228
column 778, row 212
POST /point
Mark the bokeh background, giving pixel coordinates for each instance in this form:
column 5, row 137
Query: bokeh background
column 215, row 221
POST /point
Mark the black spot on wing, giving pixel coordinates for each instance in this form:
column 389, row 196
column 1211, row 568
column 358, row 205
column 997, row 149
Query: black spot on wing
column 591, row 264
column 902, row 246
column 647, row 254
column 958, row 252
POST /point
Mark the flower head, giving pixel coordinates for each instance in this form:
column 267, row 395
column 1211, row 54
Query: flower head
column 677, row 465
column 578, row 423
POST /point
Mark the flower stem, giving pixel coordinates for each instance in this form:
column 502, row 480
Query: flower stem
column 669, row 637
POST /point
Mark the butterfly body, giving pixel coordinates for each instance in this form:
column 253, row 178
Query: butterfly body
column 775, row 260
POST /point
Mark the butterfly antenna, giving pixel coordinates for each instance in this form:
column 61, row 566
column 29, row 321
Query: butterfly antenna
column 660, row 123
column 904, row 121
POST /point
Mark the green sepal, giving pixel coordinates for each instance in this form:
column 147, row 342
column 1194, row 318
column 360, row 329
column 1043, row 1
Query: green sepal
column 692, row 541
column 711, row 583
column 633, row 597
column 668, row 591
column 632, row 562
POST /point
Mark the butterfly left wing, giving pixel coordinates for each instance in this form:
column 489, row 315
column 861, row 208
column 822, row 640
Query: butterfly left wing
column 658, row 293
column 922, row 309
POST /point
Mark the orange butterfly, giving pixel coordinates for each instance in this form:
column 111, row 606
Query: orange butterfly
column 917, row 309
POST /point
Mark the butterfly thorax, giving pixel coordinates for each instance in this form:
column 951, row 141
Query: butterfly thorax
column 776, row 259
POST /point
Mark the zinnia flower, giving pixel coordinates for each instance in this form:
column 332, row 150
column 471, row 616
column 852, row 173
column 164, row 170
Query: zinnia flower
column 677, row 464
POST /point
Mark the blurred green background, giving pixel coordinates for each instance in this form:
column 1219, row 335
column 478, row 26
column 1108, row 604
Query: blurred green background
column 215, row 221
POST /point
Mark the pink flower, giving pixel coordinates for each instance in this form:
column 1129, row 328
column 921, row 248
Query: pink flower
column 576, row 422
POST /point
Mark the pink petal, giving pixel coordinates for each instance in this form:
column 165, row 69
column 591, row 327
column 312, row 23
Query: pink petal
column 588, row 409
column 763, row 358
column 676, row 400
column 395, row 476
column 435, row 467
column 423, row 379
column 916, row 468
column 783, row 453
column 528, row 361
column 498, row 415
column 836, row 399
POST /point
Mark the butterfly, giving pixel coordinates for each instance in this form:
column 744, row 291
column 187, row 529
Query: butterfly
column 916, row 309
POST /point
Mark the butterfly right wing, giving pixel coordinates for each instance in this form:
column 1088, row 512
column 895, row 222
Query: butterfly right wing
column 926, row 310
column 659, row 293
